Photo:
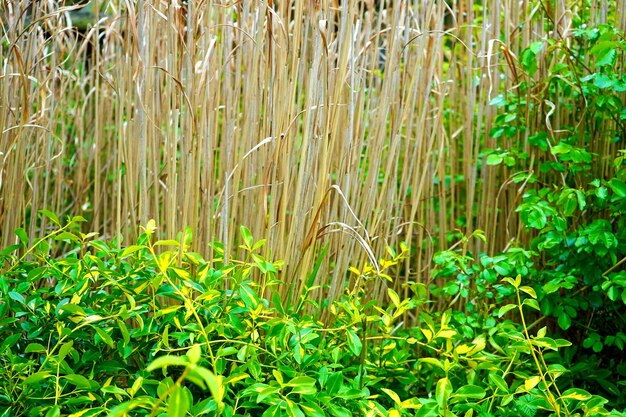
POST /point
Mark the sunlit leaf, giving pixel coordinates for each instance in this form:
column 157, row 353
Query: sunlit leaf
column 443, row 392
column 354, row 342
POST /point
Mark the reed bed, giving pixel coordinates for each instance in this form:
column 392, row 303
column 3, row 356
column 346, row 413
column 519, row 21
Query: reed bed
column 354, row 125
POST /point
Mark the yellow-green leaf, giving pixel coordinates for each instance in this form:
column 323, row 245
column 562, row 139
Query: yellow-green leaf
column 393, row 296
column 576, row 394
column 392, row 395
column 50, row 215
column 427, row 333
column 169, row 242
column 528, row 290
column 168, row 360
column 432, row 361
column 178, row 403
column 443, row 391
column 354, row 343
column 531, row 382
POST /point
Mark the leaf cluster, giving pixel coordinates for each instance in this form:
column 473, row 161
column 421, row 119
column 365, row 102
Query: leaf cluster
column 154, row 329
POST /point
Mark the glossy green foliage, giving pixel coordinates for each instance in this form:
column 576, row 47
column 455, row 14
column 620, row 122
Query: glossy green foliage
column 573, row 209
column 154, row 329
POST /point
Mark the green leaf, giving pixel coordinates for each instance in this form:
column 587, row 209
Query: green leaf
column 429, row 409
column 528, row 290
column 392, row 395
column 122, row 409
column 395, row 299
column 65, row 349
column 293, row 410
column 101, row 246
column 50, row 215
column 469, row 392
column 443, row 392
column 338, row 411
column 535, row 217
column 78, row 380
column 55, row 411
column 563, row 343
column 505, row 309
column 124, row 330
column 67, row 236
column 130, row 250
column 576, row 394
column 194, row 353
column 169, row 242
column 580, row 197
column 194, row 258
column 354, row 342
column 433, row 361
column 529, row 61
column 115, row 390
column 37, row 377
column 494, row 159
column 17, row 297
column 303, row 385
column 527, row 405
column 539, row 140
column 136, row 385
column 92, row 318
column 22, row 236
column 532, row 303
column 312, row 410
column 605, row 53
column 214, row 382
column 499, row 382
column 259, row 244
column 106, row 338
column 602, row 81
column 178, row 403
column 9, row 249
column 73, row 309
column 247, row 236
column 265, row 393
column 507, row 399
column 164, row 260
column 35, row 348
column 248, row 296
column 620, row 86
column 551, row 286
column 564, row 321
column 497, row 101
column 545, row 342
column 618, row 187
column 226, row 351
column 531, row 382
column 334, row 383
column 536, row 47
column 165, row 361
column 318, row 263
column 278, row 305
column 608, row 386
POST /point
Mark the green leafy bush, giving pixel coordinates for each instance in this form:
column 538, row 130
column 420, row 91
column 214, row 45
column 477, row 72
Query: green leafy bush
column 154, row 329
column 574, row 200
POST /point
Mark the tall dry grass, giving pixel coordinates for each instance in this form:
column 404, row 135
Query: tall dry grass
column 356, row 124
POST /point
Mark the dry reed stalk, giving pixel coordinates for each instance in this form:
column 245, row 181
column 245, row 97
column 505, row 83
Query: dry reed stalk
column 307, row 122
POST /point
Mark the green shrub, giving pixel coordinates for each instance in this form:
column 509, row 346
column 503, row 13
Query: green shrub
column 154, row 329
column 575, row 210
